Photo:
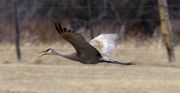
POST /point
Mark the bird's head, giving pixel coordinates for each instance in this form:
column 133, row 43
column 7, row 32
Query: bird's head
column 48, row 51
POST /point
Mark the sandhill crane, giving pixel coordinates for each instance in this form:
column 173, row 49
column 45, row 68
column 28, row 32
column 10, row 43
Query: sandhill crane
column 88, row 53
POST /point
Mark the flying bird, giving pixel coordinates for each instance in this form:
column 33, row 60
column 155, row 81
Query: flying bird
column 93, row 52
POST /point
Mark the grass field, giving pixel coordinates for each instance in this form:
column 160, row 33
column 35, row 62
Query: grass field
column 52, row 74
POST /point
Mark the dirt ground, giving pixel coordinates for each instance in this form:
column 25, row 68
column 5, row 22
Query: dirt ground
column 52, row 74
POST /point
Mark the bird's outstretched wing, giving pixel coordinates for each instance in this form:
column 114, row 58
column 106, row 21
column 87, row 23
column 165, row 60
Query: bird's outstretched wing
column 105, row 43
column 82, row 47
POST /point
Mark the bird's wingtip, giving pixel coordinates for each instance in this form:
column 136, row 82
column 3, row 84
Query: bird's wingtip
column 58, row 27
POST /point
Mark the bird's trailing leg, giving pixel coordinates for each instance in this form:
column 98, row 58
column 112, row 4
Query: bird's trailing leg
column 121, row 63
column 109, row 60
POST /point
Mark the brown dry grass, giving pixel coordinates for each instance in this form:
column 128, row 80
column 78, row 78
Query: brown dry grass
column 52, row 74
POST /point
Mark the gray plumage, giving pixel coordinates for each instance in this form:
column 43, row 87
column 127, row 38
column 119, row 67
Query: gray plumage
column 85, row 52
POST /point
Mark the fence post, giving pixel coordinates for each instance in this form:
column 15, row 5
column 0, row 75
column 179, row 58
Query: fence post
column 166, row 29
column 18, row 50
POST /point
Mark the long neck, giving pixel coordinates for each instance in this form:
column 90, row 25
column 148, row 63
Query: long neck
column 71, row 56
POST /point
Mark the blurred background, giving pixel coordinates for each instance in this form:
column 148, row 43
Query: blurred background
column 137, row 19
column 136, row 22
column 27, row 27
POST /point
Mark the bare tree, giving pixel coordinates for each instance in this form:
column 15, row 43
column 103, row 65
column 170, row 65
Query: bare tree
column 166, row 29
column 18, row 50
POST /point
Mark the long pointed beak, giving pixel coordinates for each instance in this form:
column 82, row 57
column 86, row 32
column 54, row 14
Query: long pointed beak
column 43, row 53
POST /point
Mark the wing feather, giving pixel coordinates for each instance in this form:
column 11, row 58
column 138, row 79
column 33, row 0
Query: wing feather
column 82, row 47
column 105, row 43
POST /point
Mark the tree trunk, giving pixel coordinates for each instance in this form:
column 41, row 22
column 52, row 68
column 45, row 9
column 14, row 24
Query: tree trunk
column 18, row 50
column 166, row 29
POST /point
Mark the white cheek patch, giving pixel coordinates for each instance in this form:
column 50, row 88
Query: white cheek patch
column 49, row 51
